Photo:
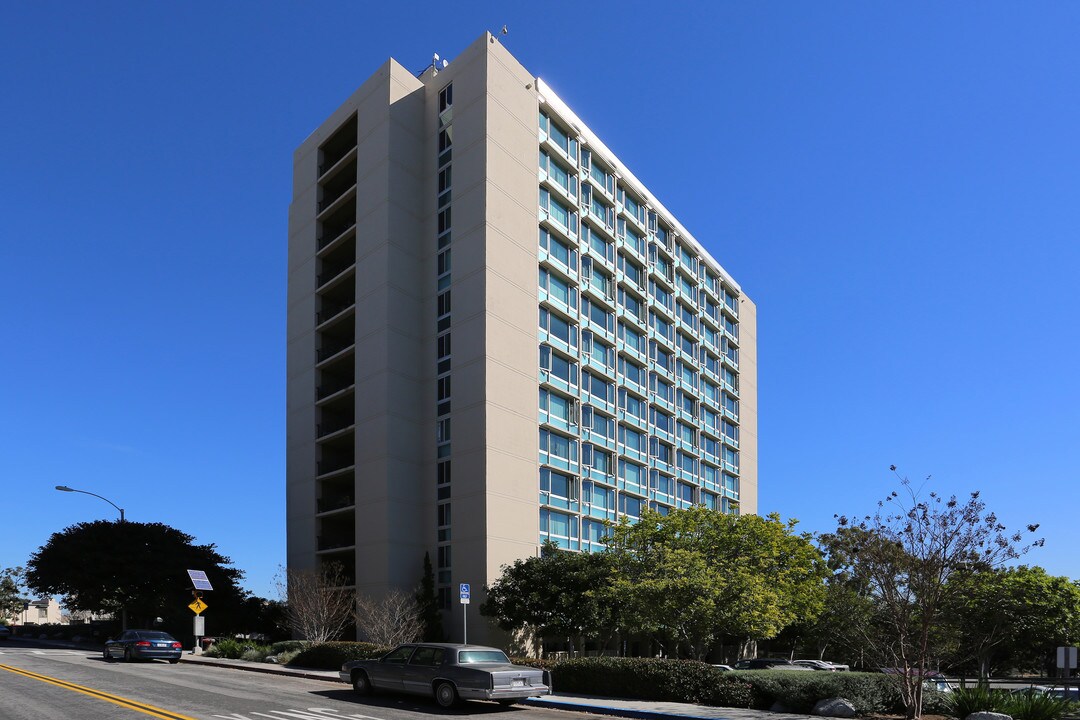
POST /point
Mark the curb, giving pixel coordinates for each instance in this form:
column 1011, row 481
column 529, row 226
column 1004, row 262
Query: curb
column 608, row 710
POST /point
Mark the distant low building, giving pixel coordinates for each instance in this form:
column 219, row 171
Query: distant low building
column 44, row 611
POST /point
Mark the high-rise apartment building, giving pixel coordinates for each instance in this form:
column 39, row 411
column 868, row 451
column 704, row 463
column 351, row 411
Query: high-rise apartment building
column 496, row 336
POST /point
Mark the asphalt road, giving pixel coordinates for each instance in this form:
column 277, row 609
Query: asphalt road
column 38, row 683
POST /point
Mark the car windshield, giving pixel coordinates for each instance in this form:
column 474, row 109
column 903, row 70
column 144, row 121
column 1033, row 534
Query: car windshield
column 467, row 657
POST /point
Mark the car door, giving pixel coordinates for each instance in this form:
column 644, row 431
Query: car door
column 421, row 670
column 387, row 673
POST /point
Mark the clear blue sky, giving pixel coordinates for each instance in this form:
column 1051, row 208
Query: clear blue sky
column 895, row 184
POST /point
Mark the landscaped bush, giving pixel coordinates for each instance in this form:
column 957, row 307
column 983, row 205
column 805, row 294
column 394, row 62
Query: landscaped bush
column 287, row 646
column 798, row 691
column 238, row 649
column 652, row 679
column 1030, row 706
column 331, row 655
column 1022, row 706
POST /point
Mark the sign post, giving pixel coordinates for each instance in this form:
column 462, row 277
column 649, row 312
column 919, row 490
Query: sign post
column 464, row 593
column 1066, row 661
column 200, row 582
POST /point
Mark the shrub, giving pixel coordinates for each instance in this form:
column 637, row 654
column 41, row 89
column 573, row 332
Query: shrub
column 331, row 655
column 286, row 657
column 799, row 691
column 256, row 653
column 966, row 700
column 1029, row 706
column 651, row 679
column 234, row 649
column 288, row 646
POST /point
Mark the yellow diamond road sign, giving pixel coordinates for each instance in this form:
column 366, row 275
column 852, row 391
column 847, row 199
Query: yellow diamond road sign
column 197, row 606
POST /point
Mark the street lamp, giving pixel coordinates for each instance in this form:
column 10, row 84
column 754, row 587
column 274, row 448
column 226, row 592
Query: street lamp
column 65, row 488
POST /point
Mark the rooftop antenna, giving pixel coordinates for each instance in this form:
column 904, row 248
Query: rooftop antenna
column 505, row 30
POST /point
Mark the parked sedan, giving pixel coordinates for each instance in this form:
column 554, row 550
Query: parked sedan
column 821, row 665
column 447, row 672
column 143, row 645
column 768, row 664
column 5, row 632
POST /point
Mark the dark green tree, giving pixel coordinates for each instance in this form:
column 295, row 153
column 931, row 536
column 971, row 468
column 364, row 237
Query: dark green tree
column 557, row 595
column 428, row 603
column 138, row 570
column 1014, row 617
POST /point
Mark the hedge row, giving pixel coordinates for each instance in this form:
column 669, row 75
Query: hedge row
column 651, row 679
column 332, row 655
column 681, row 681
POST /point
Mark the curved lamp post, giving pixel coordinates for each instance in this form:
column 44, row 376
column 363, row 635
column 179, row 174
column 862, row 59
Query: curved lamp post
column 65, row 488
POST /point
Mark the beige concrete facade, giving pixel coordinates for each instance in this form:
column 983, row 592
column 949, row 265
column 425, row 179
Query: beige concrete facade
column 370, row 442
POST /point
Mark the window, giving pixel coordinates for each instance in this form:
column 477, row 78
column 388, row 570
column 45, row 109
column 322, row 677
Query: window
column 442, row 473
column 662, row 327
column 443, row 262
column 446, row 97
column 631, row 238
column 632, row 372
column 598, row 423
column 687, row 344
column 557, row 446
column 555, row 406
column 558, row 249
column 598, row 314
column 558, row 328
column 558, row 136
column 557, row 366
column 664, row 359
column 633, row 406
column 662, row 296
column 602, row 390
column 661, row 420
column 442, row 304
column 557, row 484
column 599, row 244
column 442, row 346
column 598, row 459
column 632, row 304
column 630, row 506
column 557, row 288
column 687, row 434
column 687, row 374
column 556, row 172
column 631, row 472
column 558, row 212
column 661, row 450
column 632, row 338
column 442, row 430
column 687, row 403
column 687, row 463
column 631, row 439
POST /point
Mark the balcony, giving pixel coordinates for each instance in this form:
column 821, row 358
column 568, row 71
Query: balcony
column 338, row 146
column 333, row 346
column 334, row 503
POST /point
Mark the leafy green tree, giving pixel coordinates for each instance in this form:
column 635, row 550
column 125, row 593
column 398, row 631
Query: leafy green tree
column 907, row 553
column 696, row 574
column 428, row 604
column 11, row 595
column 137, row 570
column 1011, row 617
column 559, row 594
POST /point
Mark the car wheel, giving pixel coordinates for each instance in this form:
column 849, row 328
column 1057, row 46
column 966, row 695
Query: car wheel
column 360, row 682
column 173, row 661
column 105, row 654
column 446, row 695
column 127, row 654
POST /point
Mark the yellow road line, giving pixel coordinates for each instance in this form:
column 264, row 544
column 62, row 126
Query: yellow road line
column 115, row 699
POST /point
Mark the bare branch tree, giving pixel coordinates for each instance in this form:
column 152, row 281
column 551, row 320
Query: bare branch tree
column 906, row 553
column 392, row 619
column 318, row 605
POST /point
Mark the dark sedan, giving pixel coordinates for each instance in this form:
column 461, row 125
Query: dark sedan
column 143, row 645
column 448, row 673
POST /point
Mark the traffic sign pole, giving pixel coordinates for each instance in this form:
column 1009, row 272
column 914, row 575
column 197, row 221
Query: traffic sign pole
column 464, row 593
